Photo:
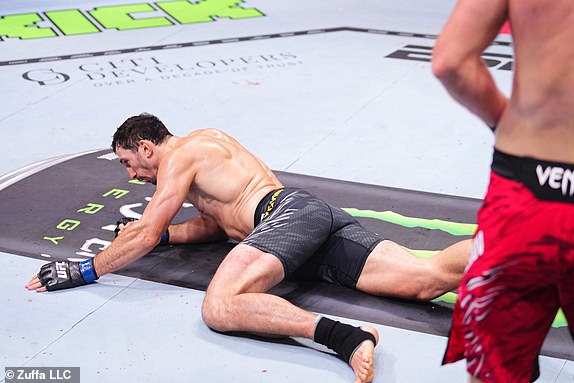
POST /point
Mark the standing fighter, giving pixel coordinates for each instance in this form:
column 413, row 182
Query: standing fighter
column 284, row 232
column 522, row 267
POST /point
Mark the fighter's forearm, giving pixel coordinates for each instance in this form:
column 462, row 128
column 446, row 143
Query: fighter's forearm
column 125, row 249
column 196, row 230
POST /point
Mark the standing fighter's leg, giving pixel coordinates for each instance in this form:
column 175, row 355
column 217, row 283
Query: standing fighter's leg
column 392, row 270
column 236, row 300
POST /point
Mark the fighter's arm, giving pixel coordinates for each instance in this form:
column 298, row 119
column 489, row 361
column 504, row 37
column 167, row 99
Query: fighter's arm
column 197, row 230
column 457, row 62
column 140, row 237
column 174, row 179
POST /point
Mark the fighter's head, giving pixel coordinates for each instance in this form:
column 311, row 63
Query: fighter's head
column 137, row 128
column 135, row 141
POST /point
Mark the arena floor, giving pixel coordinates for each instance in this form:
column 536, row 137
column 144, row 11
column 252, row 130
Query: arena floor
column 332, row 89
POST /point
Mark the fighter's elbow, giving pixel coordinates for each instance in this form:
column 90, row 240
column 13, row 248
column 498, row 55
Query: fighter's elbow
column 150, row 240
column 444, row 67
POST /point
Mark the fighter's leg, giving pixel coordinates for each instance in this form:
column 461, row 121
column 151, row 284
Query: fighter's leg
column 391, row 270
column 236, row 300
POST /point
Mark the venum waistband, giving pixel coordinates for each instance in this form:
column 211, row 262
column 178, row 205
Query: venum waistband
column 547, row 180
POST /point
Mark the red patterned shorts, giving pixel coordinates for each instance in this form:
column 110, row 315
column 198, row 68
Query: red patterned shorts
column 520, row 273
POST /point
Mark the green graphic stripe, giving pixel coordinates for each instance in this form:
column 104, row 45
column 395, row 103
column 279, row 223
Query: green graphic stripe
column 560, row 320
column 454, row 228
column 423, row 253
column 449, row 297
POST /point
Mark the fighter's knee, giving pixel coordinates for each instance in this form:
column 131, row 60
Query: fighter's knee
column 213, row 313
column 419, row 291
column 427, row 294
column 432, row 284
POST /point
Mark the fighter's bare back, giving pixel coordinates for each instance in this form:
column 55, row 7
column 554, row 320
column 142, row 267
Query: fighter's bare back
column 228, row 181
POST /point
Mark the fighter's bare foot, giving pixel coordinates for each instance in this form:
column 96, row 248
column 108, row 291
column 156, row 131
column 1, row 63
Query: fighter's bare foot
column 363, row 359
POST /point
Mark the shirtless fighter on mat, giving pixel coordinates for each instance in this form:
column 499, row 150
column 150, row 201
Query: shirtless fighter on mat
column 283, row 232
column 522, row 269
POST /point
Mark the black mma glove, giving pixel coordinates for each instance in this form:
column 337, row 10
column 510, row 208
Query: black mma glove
column 126, row 220
column 60, row 275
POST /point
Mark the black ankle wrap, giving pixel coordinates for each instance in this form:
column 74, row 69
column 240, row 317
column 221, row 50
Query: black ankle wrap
column 340, row 337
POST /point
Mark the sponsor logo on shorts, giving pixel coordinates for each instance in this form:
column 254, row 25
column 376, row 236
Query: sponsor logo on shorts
column 271, row 203
column 556, row 178
column 477, row 248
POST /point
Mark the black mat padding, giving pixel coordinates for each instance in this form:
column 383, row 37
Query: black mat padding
column 38, row 206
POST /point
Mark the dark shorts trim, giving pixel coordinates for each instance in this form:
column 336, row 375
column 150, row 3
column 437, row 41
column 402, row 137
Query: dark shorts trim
column 549, row 181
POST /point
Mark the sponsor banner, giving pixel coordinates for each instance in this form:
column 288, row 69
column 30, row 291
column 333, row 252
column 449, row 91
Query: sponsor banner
column 100, row 72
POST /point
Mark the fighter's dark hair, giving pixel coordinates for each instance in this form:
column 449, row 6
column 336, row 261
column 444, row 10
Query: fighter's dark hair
column 136, row 128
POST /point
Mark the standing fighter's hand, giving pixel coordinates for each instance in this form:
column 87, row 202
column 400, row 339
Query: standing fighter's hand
column 60, row 275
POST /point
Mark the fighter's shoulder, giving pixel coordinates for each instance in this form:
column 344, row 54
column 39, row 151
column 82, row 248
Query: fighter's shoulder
column 206, row 134
column 201, row 143
column 209, row 139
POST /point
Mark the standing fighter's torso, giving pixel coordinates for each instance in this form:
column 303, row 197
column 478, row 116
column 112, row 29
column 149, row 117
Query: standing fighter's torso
column 228, row 181
column 539, row 121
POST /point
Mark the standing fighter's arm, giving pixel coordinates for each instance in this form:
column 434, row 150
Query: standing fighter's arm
column 136, row 240
column 457, row 62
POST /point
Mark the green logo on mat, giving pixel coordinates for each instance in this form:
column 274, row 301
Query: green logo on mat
column 121, row 17
column 453, row 228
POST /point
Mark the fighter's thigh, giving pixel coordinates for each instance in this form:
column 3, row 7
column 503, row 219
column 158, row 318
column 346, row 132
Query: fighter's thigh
column 392, row 270
column 246, row 270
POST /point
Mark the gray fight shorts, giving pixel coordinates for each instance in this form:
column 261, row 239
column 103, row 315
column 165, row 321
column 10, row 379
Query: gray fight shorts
column 313, row 240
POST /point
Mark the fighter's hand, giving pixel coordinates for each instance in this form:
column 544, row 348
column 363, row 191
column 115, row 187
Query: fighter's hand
column 35, row 284
column 125, row 221
column 122, row 223
column 60, row 275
